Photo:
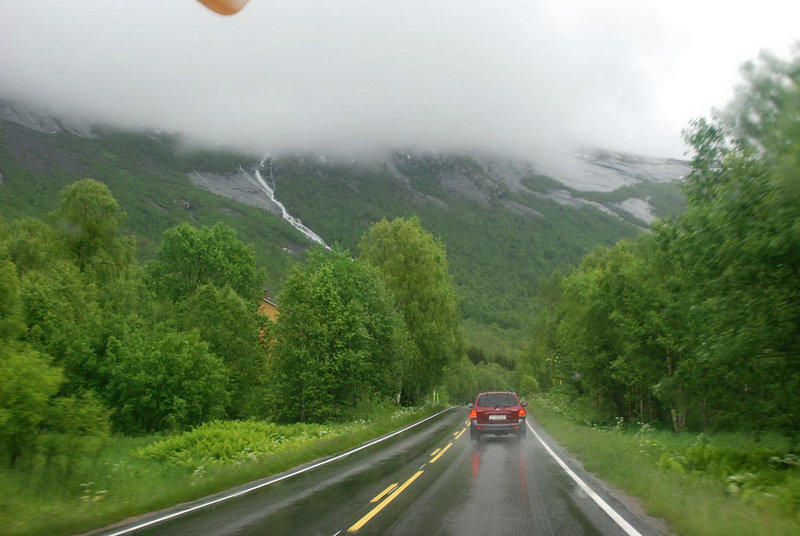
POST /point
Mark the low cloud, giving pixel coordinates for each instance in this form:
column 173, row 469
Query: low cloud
column 509, row 75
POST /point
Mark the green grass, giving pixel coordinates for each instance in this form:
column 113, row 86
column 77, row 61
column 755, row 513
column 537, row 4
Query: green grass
column 695, row 500
column 121, row 476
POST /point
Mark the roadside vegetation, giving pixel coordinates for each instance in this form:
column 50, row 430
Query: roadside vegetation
column 127, row 387
column 703, row 484
column 696, row 326
column 670, row 363
column 99, row 352
column 120, row 476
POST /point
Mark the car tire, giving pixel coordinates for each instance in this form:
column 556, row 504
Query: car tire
column 521, row 433
column 474, row 435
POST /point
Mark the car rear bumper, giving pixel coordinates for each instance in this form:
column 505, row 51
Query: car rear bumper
column 498, row 428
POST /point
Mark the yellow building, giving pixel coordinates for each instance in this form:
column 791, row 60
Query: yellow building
column 267, row 307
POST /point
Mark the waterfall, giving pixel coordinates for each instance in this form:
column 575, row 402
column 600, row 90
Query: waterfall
column 293, row 221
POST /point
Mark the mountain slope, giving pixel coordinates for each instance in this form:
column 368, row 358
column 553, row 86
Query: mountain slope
column 147, row 174
column 506, row 228
column 507, row 225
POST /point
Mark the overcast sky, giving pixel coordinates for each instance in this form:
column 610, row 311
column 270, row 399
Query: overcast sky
column 323, row 74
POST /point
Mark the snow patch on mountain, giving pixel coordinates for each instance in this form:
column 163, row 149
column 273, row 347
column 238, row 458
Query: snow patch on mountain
column 638, row 208
column 604, row 171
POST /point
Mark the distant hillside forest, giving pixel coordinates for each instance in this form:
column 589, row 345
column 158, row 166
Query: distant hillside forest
column 146, row 174
column 499, row 257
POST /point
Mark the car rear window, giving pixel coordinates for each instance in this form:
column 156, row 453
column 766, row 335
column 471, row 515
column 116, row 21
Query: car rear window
column 497, row 400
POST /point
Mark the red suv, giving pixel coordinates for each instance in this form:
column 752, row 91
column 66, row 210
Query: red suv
column 497, row 413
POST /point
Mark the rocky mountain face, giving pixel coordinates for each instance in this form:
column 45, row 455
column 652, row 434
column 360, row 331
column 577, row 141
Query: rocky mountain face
column 567, row 180
column 474, row 177
column 42, row 121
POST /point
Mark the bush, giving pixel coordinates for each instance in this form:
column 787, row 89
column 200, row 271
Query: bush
column 28, row 382
column 767, row 477
column 165, row 380
column 230, row 442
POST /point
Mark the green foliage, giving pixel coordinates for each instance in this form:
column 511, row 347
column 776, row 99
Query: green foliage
column 231, row 327
column 28, row 382
column 462, row 379
column 341, row 202
column 715, row 484
column 767, row 477
column 60, row 309
column 189, row 257
column 698, row 324
column 147, row 174
column 79, row 416
column 414, row 266
column 76, row 428
column 89, row 217
column 564, row 401
column 100, row 326
column 740, row 244
column 337, row 339
column 225, row 443
column 164, row 380
column 33, row 244
column 459, row 381
column 119, row 477
column 10, row 325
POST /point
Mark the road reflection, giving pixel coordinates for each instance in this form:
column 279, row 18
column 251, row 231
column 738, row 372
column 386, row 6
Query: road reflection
column 511, row 451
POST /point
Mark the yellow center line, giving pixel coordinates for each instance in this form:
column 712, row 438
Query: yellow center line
column 380, row 495
column 435, row 452
column 372, row 513
column 461, row 433
column 443, row 451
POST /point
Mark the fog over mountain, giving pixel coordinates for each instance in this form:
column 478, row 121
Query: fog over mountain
column 521, row 76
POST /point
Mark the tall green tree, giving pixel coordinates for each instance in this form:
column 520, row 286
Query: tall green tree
column 63, row 318
column 337, row 339
column 741, row 246
column 32, row 244
column 189, row 257
column 89, row 217
column 232, row 328
column 413, row 263
column 29, row 386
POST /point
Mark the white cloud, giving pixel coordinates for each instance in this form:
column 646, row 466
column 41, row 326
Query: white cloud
column 508, row 75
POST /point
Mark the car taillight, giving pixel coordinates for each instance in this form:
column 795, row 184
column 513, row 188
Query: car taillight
column 473, row 414
column 521, row 412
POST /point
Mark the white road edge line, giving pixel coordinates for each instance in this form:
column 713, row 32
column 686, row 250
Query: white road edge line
column 624, row 525
column 239, row 493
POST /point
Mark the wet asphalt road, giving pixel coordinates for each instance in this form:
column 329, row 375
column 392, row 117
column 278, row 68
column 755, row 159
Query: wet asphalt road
column 429, row 480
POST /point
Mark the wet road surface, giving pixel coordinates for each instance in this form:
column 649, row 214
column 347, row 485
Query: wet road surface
column 431, row 480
